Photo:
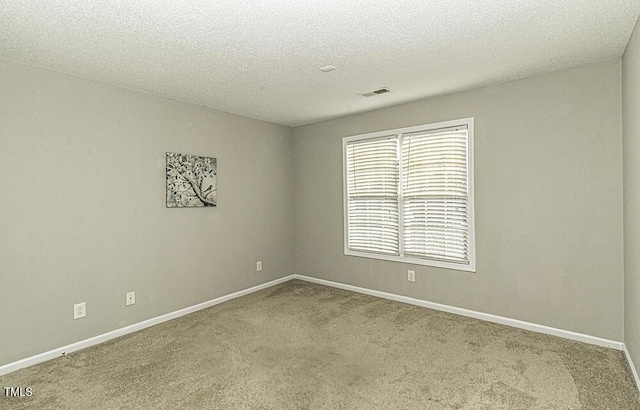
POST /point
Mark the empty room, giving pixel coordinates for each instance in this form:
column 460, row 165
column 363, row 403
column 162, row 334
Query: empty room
column 320, row 204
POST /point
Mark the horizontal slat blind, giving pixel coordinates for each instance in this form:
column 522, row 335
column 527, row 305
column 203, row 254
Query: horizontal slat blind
column 435, row 195
column 372, row 195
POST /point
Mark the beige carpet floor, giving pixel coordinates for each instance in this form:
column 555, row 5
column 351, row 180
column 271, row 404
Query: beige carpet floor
column 305, row 346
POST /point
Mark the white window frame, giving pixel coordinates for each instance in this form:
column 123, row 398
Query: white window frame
column 471, row 266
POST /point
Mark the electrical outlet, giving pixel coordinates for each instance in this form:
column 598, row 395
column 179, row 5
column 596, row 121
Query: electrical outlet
column 130, row 298
column 411, row 276
column 258, row 266
column 79, row 310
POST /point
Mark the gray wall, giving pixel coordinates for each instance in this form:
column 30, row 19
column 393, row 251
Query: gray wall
column 631, row 145
column 83, row 217
column 548, row 175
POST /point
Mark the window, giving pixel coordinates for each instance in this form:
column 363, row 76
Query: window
column 408, row 195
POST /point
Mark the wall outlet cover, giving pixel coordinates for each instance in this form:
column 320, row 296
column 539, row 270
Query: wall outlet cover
column 130, row 298
column 79, row 310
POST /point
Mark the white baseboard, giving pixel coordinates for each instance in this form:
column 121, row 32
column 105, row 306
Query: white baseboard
column 52, row 354
column 632, row 366
column 471, row 313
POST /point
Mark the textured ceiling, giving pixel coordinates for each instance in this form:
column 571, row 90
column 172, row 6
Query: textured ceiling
column 262, row 58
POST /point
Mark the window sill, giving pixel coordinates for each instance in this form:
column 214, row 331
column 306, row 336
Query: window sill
column 414, row 261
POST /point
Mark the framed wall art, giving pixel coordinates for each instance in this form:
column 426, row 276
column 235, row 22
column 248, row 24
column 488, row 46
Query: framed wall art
column 191, row 181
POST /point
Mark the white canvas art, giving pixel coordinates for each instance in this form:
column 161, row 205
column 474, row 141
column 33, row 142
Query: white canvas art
column 191, row 181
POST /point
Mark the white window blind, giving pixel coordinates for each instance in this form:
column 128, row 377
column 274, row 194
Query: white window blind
column 434, row 186
column 409, row 195
column 372, row 167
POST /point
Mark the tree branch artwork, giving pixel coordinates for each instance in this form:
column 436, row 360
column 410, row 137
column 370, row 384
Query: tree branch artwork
column 191, row 181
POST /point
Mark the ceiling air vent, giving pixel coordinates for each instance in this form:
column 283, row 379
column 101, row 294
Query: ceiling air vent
column 382, row 90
